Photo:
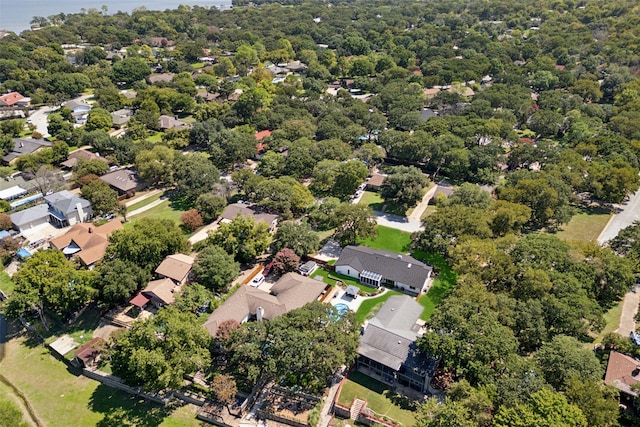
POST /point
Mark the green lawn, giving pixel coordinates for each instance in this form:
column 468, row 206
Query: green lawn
column 611, row 321
column 368, row 306
column 445, row 281
column 156, row 137
column 330, row 278
column 372, row 199
column 144, row 202
column 389, row 239
column 60, row 398
column 81, row 330
column 380, row 398
column 6, row 284
column 164, row 210
column 198, row 65
column 585, row 226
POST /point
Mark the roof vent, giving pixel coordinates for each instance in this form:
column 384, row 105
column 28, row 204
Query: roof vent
column 399, row 342
column 409, row 265
column 399, row 257
column 393, row 309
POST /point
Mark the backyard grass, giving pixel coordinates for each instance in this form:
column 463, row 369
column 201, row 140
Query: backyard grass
column 389, row 239
column 444, row 282
column 368, row 306
column 157, row 137
column 431, row 209
column 144, row 202
column 81, row 330
column 164, row 210
column 61, row 398
column 585, row 226
column 379, row 397
column 6, row 284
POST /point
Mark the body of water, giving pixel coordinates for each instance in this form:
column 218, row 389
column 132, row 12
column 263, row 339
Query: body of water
column 16, row 15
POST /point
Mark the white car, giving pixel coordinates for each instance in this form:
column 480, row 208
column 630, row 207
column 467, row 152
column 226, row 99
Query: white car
column 257, row 280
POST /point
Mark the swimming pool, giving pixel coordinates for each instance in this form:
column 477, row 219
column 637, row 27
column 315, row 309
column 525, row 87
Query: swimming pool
column 342, row 309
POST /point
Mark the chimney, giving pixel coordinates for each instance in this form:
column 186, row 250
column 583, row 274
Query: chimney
column 81, row 215
column 259, row 314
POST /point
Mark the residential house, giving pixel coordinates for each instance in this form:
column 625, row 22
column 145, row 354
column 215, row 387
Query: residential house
column 159, row 293
column 86, row 242
column 235, row 209
column 170, row 122
column 85, row 155
column 388, row 350
column 22, row 146
column 377, row 268
column 176, row 267
column 290, row 292
column 30, row 218
column 14, row 99
column 162, row 77
column 622, row 373
column 261, row 147
column 121, row 117
column 124, row 181
column 375, row 182
column 12, row 193
column 66, row 208
column 61, row 209
column 79, row 110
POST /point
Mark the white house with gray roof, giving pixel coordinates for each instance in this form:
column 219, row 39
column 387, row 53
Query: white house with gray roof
column 61, row 209
column 377, row 268
column 388, row 350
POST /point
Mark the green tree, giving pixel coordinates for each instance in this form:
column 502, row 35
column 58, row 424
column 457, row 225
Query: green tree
column 297, row 236
column 157, row 164
column 195, row 175
column 563, row 358
column 102, row 197
column 117, row 280
column 545, row 408
column 597, row 401
column 99, row 119
column 354, row 222
column 404, row 187
column 242, row 238
column 214, row 268
column 193, row 297
column 147, row 242
column 285, row 195
column 210, row 206
column 157, row 353
column 471, row 195
column 130, row 70
column 47, row 281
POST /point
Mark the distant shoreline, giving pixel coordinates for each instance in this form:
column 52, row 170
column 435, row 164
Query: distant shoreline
column 16, row 16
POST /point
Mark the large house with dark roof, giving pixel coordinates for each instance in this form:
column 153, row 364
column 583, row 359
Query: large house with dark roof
column 388, row 350
column 22, row 146
column 290, row 292
column 377, row 268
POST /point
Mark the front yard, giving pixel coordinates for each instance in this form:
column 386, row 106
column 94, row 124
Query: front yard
column 585, row 226
column 380, row 398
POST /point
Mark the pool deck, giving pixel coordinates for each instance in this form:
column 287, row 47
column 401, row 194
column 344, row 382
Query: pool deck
column 353, row 304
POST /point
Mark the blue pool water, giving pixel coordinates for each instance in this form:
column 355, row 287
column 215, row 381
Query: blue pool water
column 342, row 309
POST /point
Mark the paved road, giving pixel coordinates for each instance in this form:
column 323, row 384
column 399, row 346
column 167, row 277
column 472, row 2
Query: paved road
column 39, row 119
column 629, row 212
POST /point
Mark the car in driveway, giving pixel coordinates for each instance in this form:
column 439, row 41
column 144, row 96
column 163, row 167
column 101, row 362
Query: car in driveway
column 257, row 280
column 267, row 269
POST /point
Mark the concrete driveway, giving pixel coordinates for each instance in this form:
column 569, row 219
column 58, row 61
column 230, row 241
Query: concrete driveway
column 398, row 222
column 627, row 317
column 627, row 214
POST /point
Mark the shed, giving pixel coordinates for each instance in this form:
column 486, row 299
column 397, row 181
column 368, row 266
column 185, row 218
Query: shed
column 63, row 345
column 89, row 354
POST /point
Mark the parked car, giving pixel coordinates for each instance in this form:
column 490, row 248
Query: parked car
column 635, row 338
column 267, row 269
column 307, row 268
column 257, row 281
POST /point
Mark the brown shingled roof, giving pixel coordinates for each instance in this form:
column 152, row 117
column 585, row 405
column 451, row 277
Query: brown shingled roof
column 175, row 267
column 622, row 372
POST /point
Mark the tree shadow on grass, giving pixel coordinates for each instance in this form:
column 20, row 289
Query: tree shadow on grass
column 122, row 409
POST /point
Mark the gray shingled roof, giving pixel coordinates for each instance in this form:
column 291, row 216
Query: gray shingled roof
column 65, row 201
column 25, row 146
column 390, row 337
column 235, row 209
column 400, row 268
column 29, row 215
